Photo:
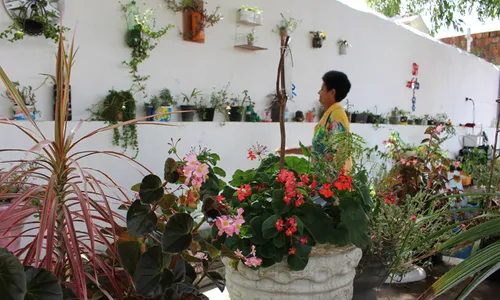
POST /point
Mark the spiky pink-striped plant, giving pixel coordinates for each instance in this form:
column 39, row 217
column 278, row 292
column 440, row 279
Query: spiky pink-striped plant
column 74, row 233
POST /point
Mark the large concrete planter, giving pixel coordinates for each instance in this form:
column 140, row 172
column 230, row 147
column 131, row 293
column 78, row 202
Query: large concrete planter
column 328, row 276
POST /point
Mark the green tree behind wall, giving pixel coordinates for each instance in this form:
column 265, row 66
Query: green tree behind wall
column 443, row 13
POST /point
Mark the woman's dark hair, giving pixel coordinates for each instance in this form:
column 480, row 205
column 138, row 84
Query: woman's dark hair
column 338, row 81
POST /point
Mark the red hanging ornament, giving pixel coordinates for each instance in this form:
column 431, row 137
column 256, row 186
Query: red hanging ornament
column 414, row 72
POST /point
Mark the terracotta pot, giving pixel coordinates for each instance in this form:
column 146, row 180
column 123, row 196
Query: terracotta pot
column 13, row 232
column 310, row 116
column 198, row 33
column 329, row 275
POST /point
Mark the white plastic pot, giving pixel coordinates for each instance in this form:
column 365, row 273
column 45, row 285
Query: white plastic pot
column 329, row 275
column 250, row 17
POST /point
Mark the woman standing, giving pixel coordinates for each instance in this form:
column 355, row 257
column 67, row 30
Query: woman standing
column 335, row 87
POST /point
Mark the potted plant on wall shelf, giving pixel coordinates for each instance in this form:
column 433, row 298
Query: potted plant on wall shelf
column 310, row 114
column 343, row 45
column 166, row 105
column 395, row 116
column 236, row 108
column 250, row 15
column 118, row 106
column 250, row 38
column 318, row 38
column 27, row 94
column 195, row 18
column 189, row 109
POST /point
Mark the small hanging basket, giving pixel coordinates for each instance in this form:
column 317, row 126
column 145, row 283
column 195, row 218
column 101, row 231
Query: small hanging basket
column 31, row 11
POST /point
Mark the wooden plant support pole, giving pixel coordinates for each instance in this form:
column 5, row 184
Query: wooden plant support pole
column 281, row 93
column 494, row 159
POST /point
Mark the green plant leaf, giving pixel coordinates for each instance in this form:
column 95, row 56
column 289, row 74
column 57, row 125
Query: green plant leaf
column 242, row 177
column 300, row 225
column 267, row 250
column 151, row 278
column 279, row 206
column 317, row 222
column 177, row 235
column 41, row 284
column 136, row 187
column 219, row 172
column 269, row 230
column 12, row 278
column 141, row 220
column 279, row 240
column 166, row 201
column 305, row 150
column 129, row 253
column 170, row 171
column 182, row 291
column 297, row 164
column 151, row 189
column 297, row 263
column 256, row 224
column 354, row 218
column 246, row 232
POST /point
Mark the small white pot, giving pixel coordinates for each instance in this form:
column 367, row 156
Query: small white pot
column 343, row 49
column 329, row 275
column 416, row 273
column 250, row 17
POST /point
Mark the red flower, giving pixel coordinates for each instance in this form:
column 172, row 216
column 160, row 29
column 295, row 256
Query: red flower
column 305, row 179
column 244, row 192
column 292, row 251
column 287, row 200
column 292, row 226
column 300, row 200
column 303, row 240
column 280, row 226
column 390, row 200
column 261, row 187
column 251, row 156
column 325, row 191
column 314, row 184
column 220, row 198
column 413, row 218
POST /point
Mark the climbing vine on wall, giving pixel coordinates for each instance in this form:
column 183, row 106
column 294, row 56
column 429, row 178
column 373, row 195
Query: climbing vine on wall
column 143, row 39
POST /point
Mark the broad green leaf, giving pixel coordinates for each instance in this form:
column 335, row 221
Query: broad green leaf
column 267, row 250
column 269, row 230
column 170, row 171
column 151, row 189
column 166, row 201
column 177, row 235
column 129, row 253
column 300, row 225
column 279, row 205
column 219, row 172
column 41, row 284
column 242, row 177
column 136, row 187
column 151, row 278
column 12, row 279
column 279, row 240
column 246, row 232
column 297, row 164
column 256, row 224
column 354, row 218
column 141, row 220
column 297, row 263
column 319, row 225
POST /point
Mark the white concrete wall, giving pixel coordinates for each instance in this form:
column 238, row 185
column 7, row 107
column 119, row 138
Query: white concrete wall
column 378, row 64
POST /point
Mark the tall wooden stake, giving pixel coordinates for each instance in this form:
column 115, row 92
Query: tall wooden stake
column 281, row 93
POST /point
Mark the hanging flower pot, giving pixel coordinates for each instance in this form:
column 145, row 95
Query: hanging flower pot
column 33, row 27
column 133, row 36
column 317, row 42
column 197, row 27
column 318, row 38
column 343, row 45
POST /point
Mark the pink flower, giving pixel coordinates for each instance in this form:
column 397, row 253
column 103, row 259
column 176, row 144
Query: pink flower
column 253, row 261
column 372, row 237
column 463, row 227
column 422, row 228
column 439, row 129
column 239, row 254
column 456, row 164
column 303, row 240
column 403, row 161
column 413, row 218
column 230, row 226
column 384, row 142
column 292, row 251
